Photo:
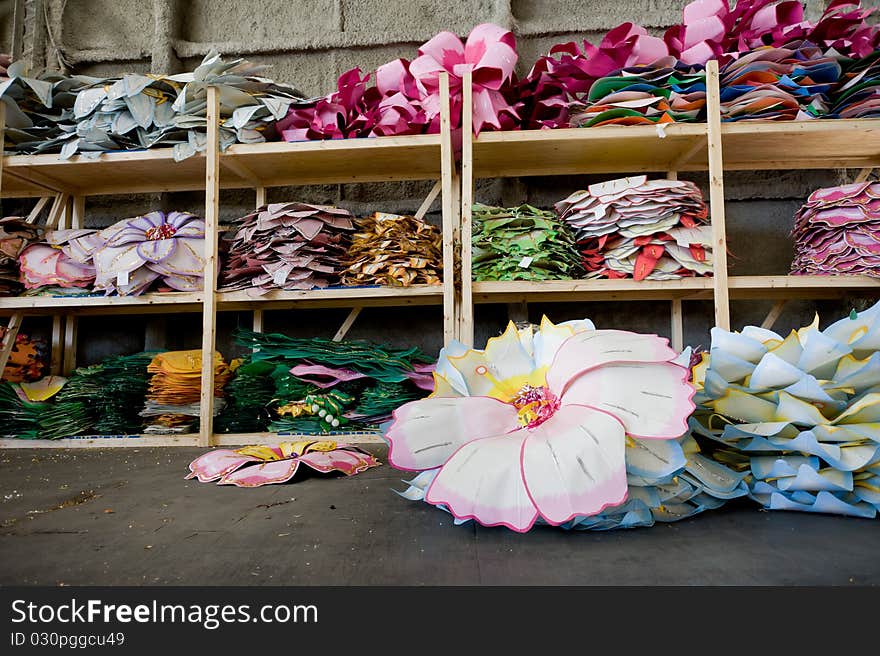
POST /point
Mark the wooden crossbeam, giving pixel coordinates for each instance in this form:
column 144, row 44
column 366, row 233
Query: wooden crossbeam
column 8, row 342
column 347, row 324
column 864, row 174
column 774, row 314
column 38, row 208
column 429, row 200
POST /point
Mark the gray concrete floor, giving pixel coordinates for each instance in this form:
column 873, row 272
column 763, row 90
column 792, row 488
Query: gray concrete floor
column 127, row 517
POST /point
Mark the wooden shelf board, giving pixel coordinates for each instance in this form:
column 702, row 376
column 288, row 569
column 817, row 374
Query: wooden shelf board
column 818, row 144
column 802, row 287
column 185, row 440
column 334, row 297
column 413, row 157
column 610, row 149
column 152, row 303
column 591, row 290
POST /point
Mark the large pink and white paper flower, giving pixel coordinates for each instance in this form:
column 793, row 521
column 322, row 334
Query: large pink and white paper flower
column 536, row 425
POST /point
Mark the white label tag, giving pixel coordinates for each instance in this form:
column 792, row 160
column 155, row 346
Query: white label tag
column 661, row 130
column 525, row 263
column 122, row 279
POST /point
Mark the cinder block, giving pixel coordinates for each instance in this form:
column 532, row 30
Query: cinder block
column 123, row 24
column 255, row 20
column 414, row 20
column 546, row 16
column 113, row 69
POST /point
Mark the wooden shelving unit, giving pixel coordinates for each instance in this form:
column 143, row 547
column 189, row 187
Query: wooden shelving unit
column 258, row 166
column 714, row 147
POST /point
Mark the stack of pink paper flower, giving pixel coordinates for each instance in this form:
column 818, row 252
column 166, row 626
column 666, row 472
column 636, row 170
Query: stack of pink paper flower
column 65, row 260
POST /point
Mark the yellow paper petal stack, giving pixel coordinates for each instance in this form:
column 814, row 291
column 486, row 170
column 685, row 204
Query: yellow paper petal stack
column 173, row 400
column 394, row 250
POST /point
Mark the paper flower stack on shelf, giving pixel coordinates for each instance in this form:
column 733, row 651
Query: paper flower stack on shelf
column 858, row 94
column 640, row 228
column 559, row 424
column 837, row 231
column 394, row 250
column 800, row 413
column 27, row 360
column 287, row 246
column 322, row 386
column 522, row 243
column 16, row 235
column 172, row 404
column 70, row 114
column 663, row 92
column 65, row 260
column 164, row 250
column 780, row 84
column 32, row 410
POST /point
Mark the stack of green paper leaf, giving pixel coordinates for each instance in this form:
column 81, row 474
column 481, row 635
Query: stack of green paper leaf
column 248, row 396
column 18, row 418
column 522, row 243
column 126, row 381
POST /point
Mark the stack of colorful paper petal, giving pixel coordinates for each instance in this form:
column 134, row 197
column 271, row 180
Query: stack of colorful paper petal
column 65, row 260
column 522, row 243
column 172, row 403
column 27, row 360
column 779, row 84
column 287, row 246
column 800, row 413
column 837, row 231
column 389, row 249
column 248, row 397
column 31, row 410
column 663, row 92
column 15, row 236
column 858, row 94
column 324, row 386
column 640, row 228
column 167, row 249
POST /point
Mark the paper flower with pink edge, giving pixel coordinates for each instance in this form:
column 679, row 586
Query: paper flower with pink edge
column 489, row 54
column 536, row 425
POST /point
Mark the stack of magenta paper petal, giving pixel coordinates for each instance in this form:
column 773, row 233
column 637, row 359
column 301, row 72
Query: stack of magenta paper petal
column 287, row 246
column 800, row 413
column 16, row 235
column 779, row 84
column 164, row 250
column 65, row 260
column 663, row 92
column 640, row 228
column 837, row 231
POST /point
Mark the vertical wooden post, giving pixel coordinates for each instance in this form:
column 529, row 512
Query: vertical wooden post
column 78, row 219
column 716, row 196
column 467, row 201
column 261, row 197
column 2, row 146
column 677, row 326
column 69, row 362
column 209, row 304
column 57, row 352
column 258, row 313
column 446, row 167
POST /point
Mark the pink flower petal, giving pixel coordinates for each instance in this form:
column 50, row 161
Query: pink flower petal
column 651, row 400
column 267, row 473
column 217, row 463
column 483, row 481
column 348, row 460
column 427, row 432
column 592, row 348
column 573, row 464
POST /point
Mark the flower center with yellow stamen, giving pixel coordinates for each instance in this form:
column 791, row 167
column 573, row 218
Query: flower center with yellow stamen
column 163, row 231
column 534, row 405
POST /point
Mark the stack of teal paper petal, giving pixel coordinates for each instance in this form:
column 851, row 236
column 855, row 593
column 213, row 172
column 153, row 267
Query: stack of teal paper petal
column 800, row 413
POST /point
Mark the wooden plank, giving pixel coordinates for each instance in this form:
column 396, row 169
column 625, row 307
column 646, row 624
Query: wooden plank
column 429, row 200
column 677, row 338
column 684, row 159
column 38, row 208
column 347, row 324
column 2, row 144
column 8, row 342
column 69, row 360
column 78, row 218
column 258, row 321
column 56, row 213
column 716, row 197
column 241, row 171
column 340, row 297
column 456, row 241
column 773, row 314
column 209, row 302
column 466, row 308
column 146, row 303
column 864, row 174
column 591, row 290
column 446, row 164
column 185, row 440
column 261, row 197
column 803, row 287
column 56, row 355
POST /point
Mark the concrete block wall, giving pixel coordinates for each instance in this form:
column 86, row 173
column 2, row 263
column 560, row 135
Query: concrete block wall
column 308, row 43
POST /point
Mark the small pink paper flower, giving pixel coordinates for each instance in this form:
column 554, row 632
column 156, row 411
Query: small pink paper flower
column 536, row 424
